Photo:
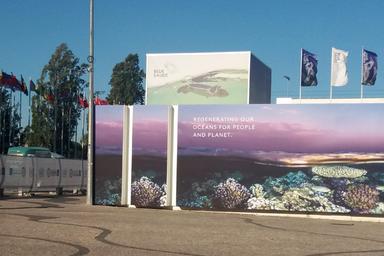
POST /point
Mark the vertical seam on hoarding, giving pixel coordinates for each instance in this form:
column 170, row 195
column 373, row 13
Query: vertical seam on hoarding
column 249, row 79
column 129, row 156
column 146, row 80
column 123, row 200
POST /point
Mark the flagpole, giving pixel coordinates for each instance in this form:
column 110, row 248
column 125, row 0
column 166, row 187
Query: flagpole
column 330, row 93
column 75, row 148
column 286, row 84
column 69, row 132
column 55, row 114
column 82, row 137
column 4, row 129
column 10, row 119
column 3, row 113
column 301, row 70
column 29, row 100
column 362, row 74
column 1, row 121
column 90, row 111
column 4, row 125
column 331, row 87
column 62, row 130
column 20, row 120
column 287, row 87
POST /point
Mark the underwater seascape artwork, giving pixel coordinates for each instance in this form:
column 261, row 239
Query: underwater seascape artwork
column 108, row 154
column 149, row 158
column 292, row 158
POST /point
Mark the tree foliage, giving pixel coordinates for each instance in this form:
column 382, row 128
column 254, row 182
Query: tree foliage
column 55, row 109
column 127, row 82
column 9, row 121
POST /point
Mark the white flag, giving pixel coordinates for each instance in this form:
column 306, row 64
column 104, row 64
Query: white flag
column 339, row 72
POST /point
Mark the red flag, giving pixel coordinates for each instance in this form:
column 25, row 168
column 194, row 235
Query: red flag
column 48, row 96
column 15, row 83
column 99, row 101
column 9, row 81
column 83, row 101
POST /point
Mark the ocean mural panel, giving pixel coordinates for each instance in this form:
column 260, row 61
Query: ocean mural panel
column 149, row 158
column 108, row 154
column 291, row 158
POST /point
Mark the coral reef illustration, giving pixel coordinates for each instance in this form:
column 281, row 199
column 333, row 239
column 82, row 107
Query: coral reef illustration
column 109, row 192
column 324, row 189
column 146, row 193
column 231, row 195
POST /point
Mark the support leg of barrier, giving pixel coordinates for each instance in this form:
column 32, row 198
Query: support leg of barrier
column 59, row 191
column 126, row 175
column 172, row 158
column 1, row 192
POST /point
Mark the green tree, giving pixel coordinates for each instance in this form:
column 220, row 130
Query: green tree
column 127, row 82
column 55, row 108
column 9, row 121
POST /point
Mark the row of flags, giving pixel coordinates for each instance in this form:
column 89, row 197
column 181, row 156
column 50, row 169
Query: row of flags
column 339, row 71
column 97, row 101
column 11, row 82
column 47, row 94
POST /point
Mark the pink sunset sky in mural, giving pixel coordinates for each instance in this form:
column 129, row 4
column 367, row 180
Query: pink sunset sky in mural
column 150, row 134
column 149, row 129
column 289, row 128
column 109, row 129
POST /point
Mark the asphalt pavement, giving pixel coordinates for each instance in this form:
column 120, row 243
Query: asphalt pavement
column 67, row 226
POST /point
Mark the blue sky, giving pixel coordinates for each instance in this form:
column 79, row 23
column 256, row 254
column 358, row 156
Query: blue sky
column 273, row 30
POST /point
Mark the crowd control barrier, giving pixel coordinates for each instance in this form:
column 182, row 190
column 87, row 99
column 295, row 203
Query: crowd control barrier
column 33, row 174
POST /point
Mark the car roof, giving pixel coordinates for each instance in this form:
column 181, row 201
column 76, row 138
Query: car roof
column 26, row 150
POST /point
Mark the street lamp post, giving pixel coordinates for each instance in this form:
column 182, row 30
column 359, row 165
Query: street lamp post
column 90, row 112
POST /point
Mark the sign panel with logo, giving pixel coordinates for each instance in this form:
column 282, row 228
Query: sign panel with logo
column 198, row 78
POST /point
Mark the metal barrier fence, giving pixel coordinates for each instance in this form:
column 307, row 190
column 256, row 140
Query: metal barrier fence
column 32, row 174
